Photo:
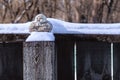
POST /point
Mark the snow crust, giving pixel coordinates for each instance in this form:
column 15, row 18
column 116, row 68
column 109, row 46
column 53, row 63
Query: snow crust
column 40, row 36
column 21, row 28
column 61, row 27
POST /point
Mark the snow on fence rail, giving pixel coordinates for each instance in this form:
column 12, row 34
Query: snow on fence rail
column 62, row 27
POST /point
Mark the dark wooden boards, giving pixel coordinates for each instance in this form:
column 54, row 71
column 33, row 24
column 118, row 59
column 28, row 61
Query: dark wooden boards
column 93, row 60
column 116, row 61
column 11, row 66
column 65, row 59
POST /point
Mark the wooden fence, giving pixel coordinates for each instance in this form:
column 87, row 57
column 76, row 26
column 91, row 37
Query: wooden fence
column 70, row 57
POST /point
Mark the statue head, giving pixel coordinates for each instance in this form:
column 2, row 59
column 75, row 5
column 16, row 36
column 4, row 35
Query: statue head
column 41, row 18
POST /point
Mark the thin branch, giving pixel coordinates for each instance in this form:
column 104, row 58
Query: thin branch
column 22, row 14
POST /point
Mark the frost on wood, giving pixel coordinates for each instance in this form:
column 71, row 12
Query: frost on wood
column 39, row 61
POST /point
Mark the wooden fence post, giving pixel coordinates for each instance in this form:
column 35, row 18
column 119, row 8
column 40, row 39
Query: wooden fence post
column 39, row 60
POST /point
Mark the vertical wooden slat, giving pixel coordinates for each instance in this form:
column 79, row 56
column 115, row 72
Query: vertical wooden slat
column 65, row 59
column 93, row 60
column 39, row 61
column 11, row 66
column 116, row 61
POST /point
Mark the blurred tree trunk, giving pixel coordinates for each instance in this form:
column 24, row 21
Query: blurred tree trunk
column 85, row 11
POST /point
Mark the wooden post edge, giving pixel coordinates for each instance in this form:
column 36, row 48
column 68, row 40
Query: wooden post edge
column 39, row 60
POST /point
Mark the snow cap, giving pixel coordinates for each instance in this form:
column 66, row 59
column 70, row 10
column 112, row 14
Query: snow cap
column 40, row 18
column 41, row 36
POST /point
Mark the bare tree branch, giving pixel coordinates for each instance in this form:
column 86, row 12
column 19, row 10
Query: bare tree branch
column 23, row 12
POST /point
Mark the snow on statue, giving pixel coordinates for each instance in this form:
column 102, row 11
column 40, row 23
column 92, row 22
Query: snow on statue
column 40, row 24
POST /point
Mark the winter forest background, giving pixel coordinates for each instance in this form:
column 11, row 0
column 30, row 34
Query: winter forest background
column 86, row 11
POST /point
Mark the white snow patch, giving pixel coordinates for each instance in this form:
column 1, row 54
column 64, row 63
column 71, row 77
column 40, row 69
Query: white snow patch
column 21, row 28
column 62, row 27
column 40, row 36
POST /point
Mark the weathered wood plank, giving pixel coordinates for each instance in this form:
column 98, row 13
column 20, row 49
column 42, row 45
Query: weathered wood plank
column 65, row 59
column 93, row 60
column 39, row 61
column 90, row 37
column 116, row 61
column 13, row 37
column 11, row 61
column 96, row 37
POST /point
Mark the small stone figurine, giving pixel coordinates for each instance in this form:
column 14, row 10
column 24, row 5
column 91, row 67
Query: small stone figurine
column 40, row 24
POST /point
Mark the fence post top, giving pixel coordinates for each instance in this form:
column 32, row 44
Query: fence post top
column 40, row 36
column 40, row 24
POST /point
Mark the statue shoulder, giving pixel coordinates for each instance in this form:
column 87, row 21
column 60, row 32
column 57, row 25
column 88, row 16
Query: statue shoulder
column 32, row 26
column 49, row 24
column 33, row 23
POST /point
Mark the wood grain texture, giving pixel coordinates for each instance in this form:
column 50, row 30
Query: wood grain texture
column 13, row 37
column 93, row 60
column 98, row 37
column 65, row 59
column 11, row 61
column 89, row 37
column 39, row 61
